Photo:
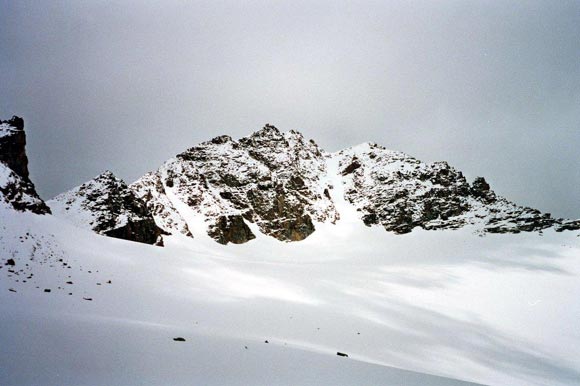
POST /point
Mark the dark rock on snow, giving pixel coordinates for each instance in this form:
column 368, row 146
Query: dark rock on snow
column 113, row 209
column 277, row 181
column 16, row 188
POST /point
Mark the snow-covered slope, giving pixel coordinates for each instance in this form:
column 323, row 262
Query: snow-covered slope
column 106, row 205
column 77, row 308
column 499, row 310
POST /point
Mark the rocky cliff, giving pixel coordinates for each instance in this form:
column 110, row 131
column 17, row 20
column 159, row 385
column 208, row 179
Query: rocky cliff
column 16, row 188
column 106, row 205
column 399, row 193
column 270, row 179
column 274, row 183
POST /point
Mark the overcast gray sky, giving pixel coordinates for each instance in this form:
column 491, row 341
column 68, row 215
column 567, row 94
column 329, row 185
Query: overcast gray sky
column 493, row 87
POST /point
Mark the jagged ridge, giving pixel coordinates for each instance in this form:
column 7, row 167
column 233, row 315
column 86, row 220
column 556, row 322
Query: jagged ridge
column 277, row 181
column 279, row 184
column 106, row 205
column 270, row 178
column 399, row 192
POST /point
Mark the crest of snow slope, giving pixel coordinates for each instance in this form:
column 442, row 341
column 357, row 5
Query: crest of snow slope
column 106, row 205
column 269, row 178
column 399, row 192
column 501, row 310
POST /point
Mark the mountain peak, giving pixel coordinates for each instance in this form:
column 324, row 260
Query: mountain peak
column 268, row 126
column 107, row 175
column 108, row 206
column 16, row 123
column 267, row 133
column 284, row 186
column 16, row 188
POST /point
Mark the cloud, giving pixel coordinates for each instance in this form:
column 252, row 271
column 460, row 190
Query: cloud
column 491, row 87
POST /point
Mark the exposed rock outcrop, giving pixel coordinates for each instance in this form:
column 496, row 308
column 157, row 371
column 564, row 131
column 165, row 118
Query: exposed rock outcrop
column 16, row 188
column 285, row 185
column 269, row 178
column 399, row 192
column 151, row 190
column 106, row 205
column 230, row 229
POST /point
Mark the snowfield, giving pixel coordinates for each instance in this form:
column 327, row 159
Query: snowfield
column 498, row 310
column 444, row 307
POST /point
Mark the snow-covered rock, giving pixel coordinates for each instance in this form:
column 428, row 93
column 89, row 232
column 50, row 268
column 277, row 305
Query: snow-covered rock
column 151, row 189
column 107, row 206
column 269, row 178
column 16, row 189
column 281, row 182
column 399, row 192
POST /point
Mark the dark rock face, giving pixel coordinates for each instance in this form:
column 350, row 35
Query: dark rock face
column 523, row 220
column 400, row 193
column 13, row 146
column 354, row 164
column 16, row 189
column 480, row 189
column 142, row 231
column 568, row 225
column 230, row 229
column 107, row 206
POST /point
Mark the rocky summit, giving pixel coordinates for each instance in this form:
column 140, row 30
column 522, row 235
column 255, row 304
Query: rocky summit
column 107, row 206
column 16, row 189
column 399, row 192
column 271, row 179
column 273, row 183
column 285, row 184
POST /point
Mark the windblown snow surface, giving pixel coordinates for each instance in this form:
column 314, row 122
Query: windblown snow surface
column 424, row 308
